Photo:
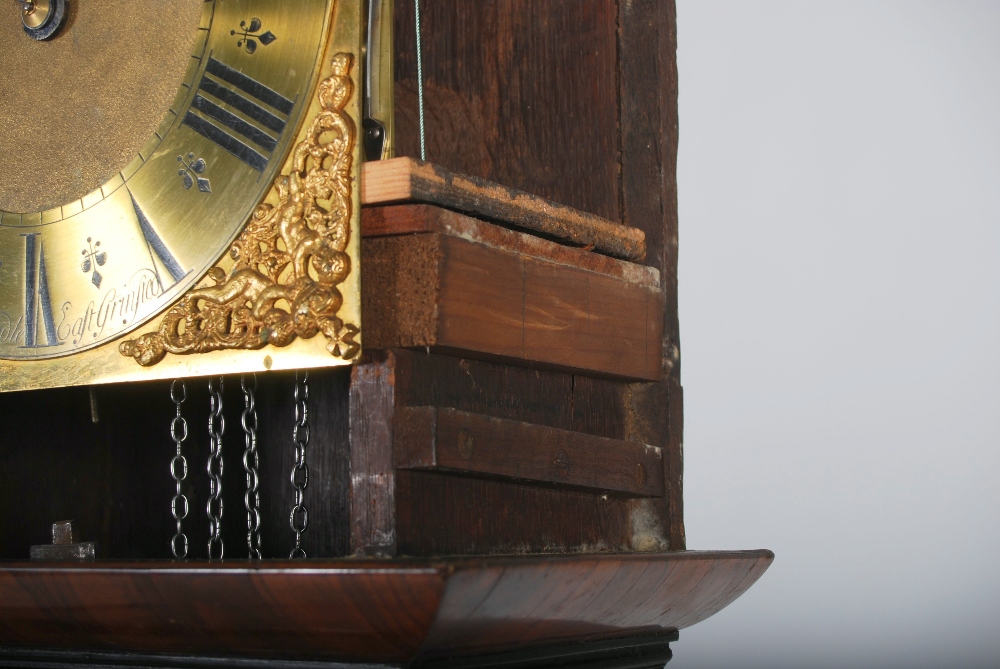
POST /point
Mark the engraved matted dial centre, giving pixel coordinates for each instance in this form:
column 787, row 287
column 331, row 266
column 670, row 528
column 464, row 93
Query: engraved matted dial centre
column 78, row 107
column 141, row 158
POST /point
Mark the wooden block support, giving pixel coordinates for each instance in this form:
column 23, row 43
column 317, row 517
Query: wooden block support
column 405, row 179
column 447, row 440
column 470, row 288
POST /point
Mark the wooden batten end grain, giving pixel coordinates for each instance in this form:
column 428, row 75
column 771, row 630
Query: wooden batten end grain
column 408, row 180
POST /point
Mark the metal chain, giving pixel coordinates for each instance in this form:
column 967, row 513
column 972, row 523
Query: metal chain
column 298, row 519
column 213, row 507
column 250, row 463
column 178, row 469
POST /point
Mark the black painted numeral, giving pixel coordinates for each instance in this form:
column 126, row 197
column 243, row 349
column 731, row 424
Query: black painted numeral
column 36, row 294
column 159, row 249
column 213, row 114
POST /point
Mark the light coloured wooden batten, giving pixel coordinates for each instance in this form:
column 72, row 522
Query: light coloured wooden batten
column 408, row 180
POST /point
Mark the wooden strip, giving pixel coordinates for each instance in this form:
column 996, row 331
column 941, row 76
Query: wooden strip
column 405, row 179
column 372, row 481
column 647, row 49
column 446, row 440
column 404, row 219
column 445, row 514
column 438, row 291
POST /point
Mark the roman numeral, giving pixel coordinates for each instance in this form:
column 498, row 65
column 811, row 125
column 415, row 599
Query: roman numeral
column 158, row 248
column 251, row 134
column 36, row 294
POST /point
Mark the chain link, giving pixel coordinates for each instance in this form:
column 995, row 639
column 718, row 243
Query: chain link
column 213, row 507
column 178, row 470
column 250, row 463
column 298, row 519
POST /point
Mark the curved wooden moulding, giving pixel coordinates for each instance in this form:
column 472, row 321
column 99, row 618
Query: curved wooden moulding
column 385, row 612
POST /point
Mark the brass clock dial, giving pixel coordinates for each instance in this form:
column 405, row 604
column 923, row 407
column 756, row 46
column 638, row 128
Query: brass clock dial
column 135, row 145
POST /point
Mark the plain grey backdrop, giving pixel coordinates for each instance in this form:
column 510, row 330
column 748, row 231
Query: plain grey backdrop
column 839, row 185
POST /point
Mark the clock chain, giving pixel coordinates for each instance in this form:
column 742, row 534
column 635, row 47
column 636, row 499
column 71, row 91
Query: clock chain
column 298, row 519
column 250, row 463
column 213, row 507
column 178, row 469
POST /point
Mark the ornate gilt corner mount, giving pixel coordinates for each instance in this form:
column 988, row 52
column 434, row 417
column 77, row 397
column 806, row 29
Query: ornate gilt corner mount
column 289, row 259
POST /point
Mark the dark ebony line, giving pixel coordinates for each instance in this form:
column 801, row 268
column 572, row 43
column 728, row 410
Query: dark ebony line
column 234, row 123
column 251, row 109
column 226, row 141
column 249, row 86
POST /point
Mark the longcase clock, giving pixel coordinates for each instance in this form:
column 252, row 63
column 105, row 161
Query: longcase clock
column 179, row 193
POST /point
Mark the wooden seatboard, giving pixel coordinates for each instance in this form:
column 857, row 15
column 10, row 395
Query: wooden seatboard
column 454, row 295
column 405, row 179
column 375, row 611
column 447, row 440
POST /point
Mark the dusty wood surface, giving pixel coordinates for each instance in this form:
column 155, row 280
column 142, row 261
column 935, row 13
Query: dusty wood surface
column 364, row 611
column 544, row 397
column 452, row 514
column 576, row 101
column 649, row 135
column 406, row 219
column 405, row 179
column 443, row 514
column 372, row 481
column 520, row 92
column 447, row 440
column 450, row 294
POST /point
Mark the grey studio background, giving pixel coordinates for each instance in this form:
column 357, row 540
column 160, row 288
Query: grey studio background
column 839, row 187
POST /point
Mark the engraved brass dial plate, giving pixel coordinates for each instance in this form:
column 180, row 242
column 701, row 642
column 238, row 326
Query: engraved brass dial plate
column 266, row 113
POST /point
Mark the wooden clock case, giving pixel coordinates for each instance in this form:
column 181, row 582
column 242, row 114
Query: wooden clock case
column 514, row 430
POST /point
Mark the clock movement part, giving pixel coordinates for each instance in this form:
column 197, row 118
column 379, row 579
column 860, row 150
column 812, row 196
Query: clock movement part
column 63, row 547
column 42, row 18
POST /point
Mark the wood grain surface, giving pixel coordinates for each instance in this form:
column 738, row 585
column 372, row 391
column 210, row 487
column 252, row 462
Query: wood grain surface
column 648, row 125
column 364, row 611
column 403, row 219
column 520, row 92
column 451, row 294
column 373, row 480
column 575, row 101
column 405, row 179
column 440, row 513
column 446, row 440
